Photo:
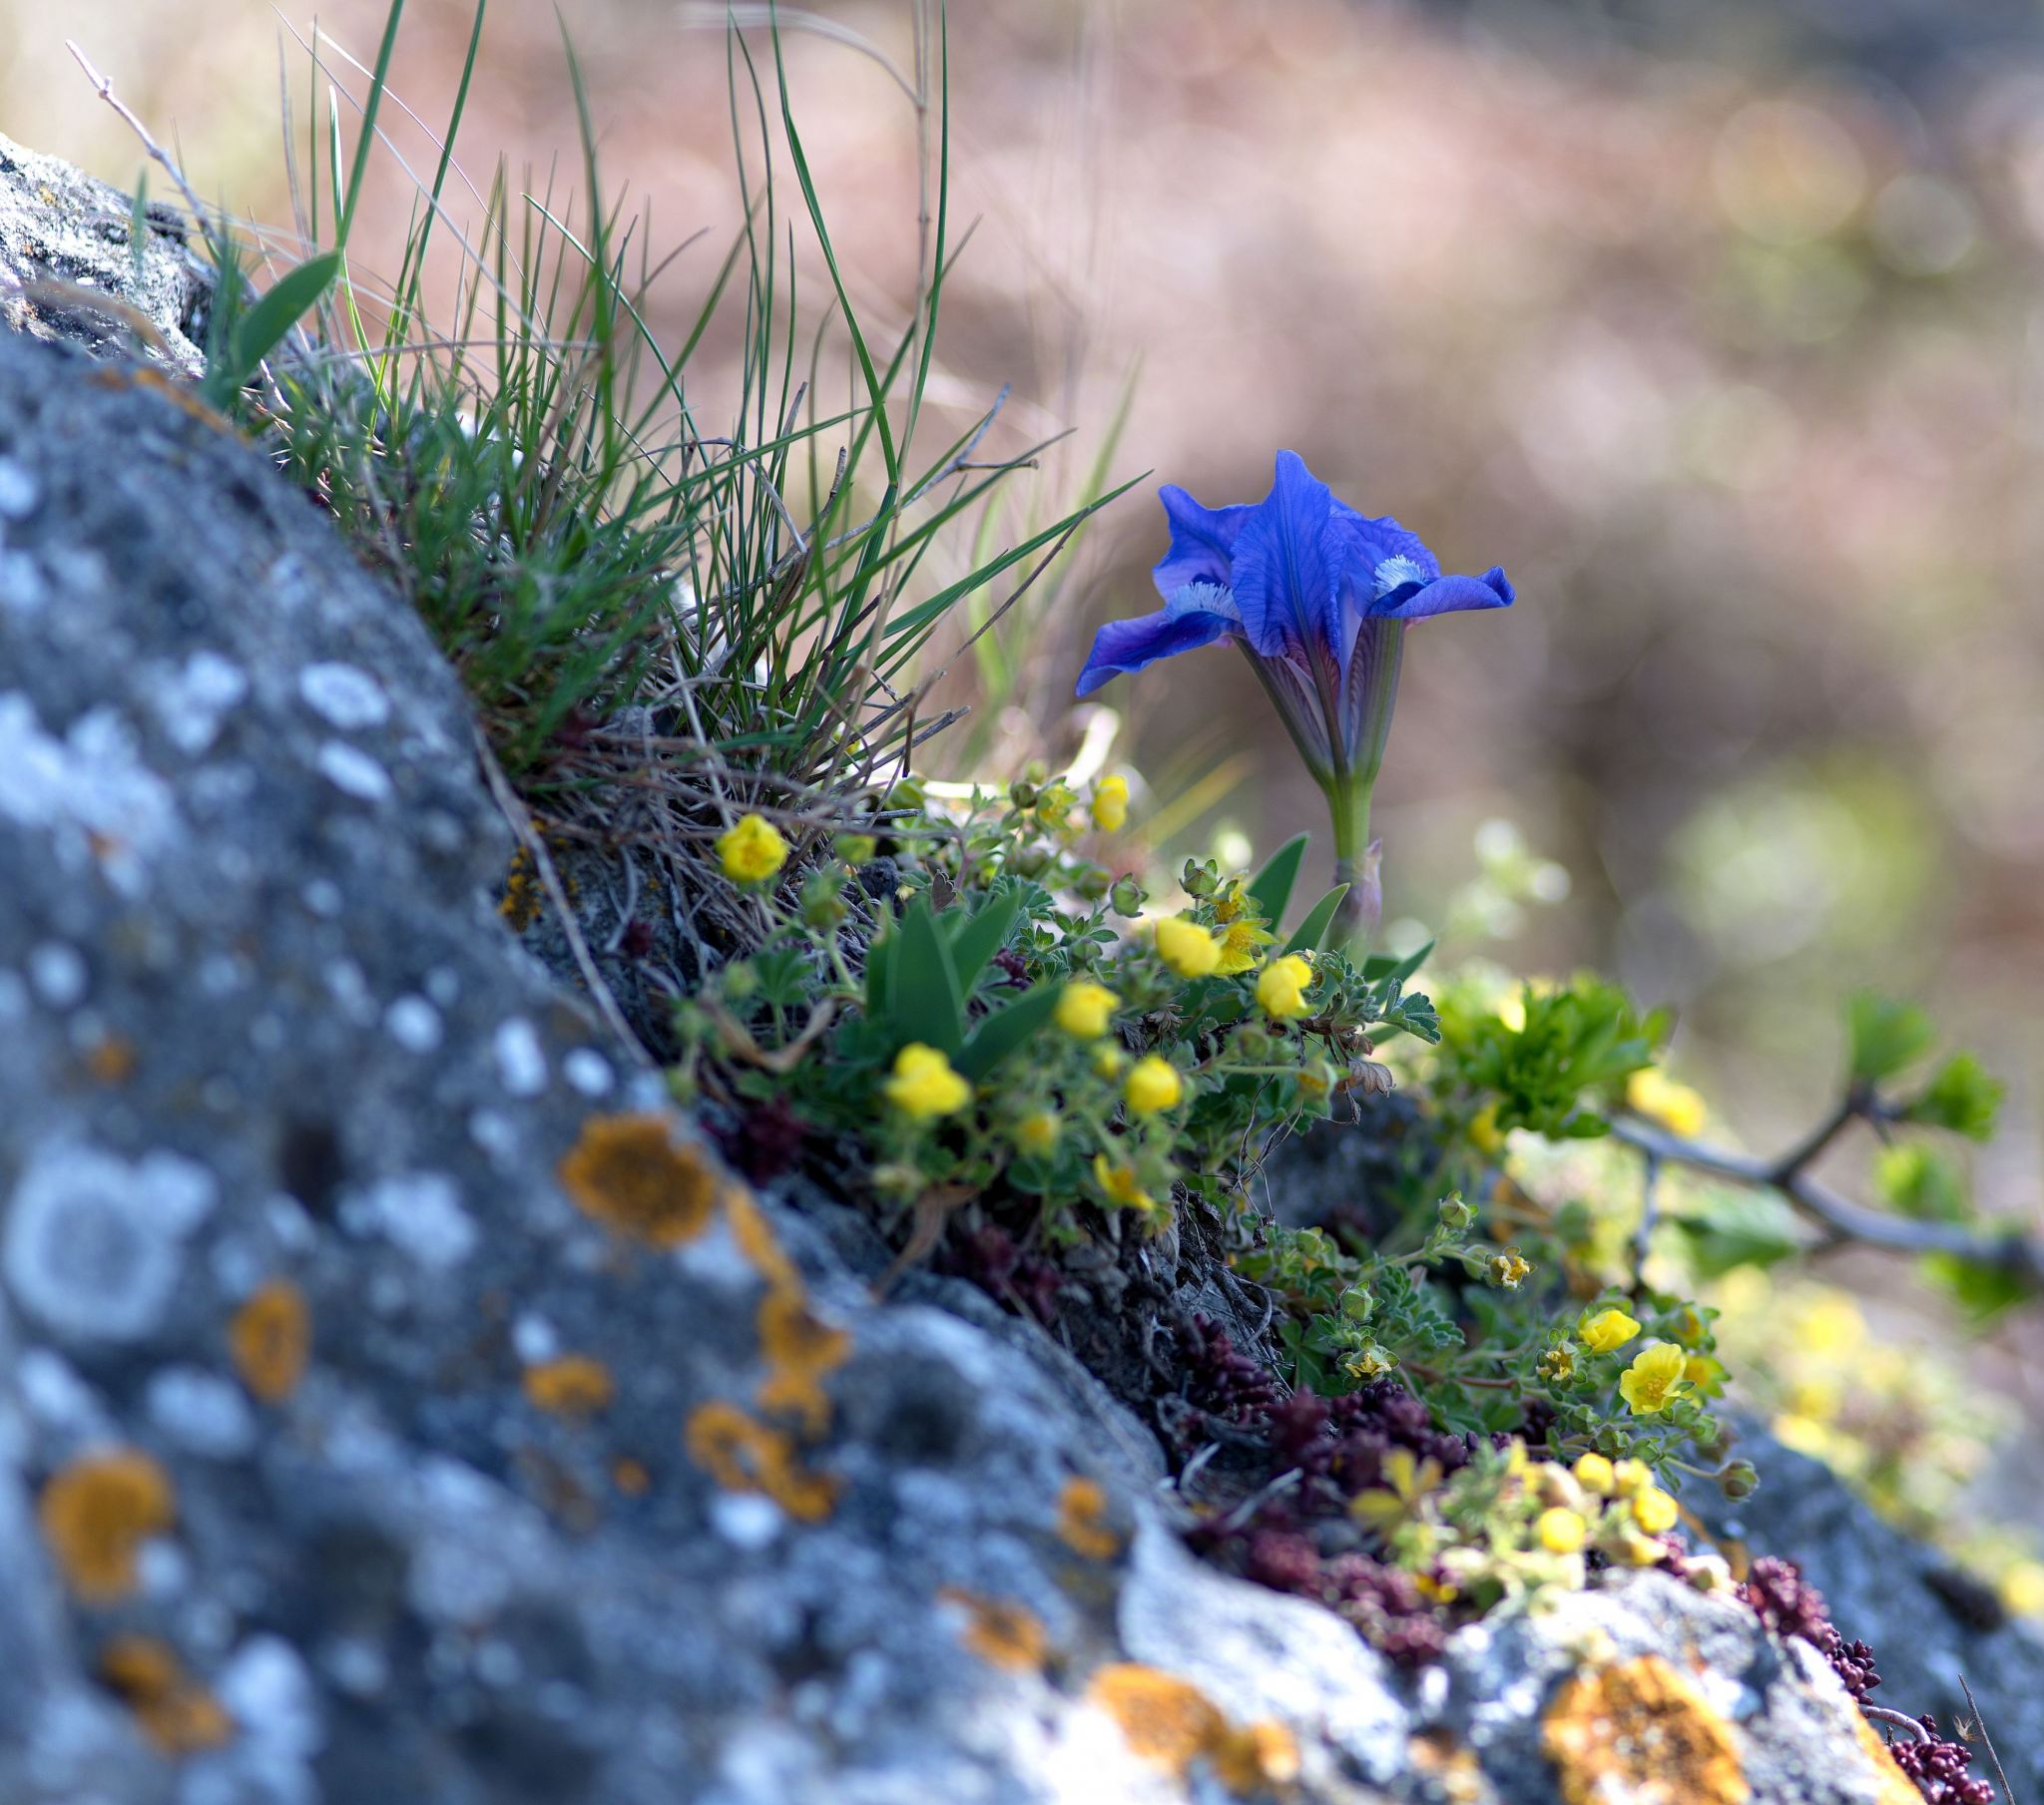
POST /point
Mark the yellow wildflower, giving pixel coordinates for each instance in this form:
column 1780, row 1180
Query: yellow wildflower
column 1085, row 1008
column 1607, row 1330
column 1110, row 804
column 1654, row 1379
column 1153, row 1086
column 1119, row 1185
column 1558, row 1364
column 1407, row 1481
column 1654, row 1511
column 1054, row 802
column 752, row 851
column 1702, row 1371
column 1037, row 1132
column 2022, row 1589
column 1108, row 1060
column 1242, row 944
column 1678, row 1109
column 1594, row 1474
column 1561, row 1532
column 1508, row 1269
column 1484, row 1134
column 1629, row 1477
column 1282, row 987
column 924, row 1087
column 1188, row 949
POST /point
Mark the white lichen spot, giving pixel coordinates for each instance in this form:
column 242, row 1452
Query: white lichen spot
column 90, row 1244
column 58, row 974
column 21, row 490
column 56, row 1397
column 745, row 1520
column 534, row 1339
column 355, row 771
column 89, row 790
column 421, row 1213
column 192, row 699
column 200, row 1412
column 23, row 587
column 344, row 695
column 275, row 1707
column 323, row 898
column 520, row 1060
column 415, row 1024
column 350, row 991
column 588, row 1071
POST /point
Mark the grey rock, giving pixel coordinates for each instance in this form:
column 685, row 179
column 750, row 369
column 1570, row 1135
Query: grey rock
column 71, row 272
column 261, row 1025
column 1929, row 1626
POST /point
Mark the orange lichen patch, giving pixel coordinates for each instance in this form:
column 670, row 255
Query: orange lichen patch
column 626, row 1172
column 1454, row 1771
column 631, row 1477
column 1081, row 1521
column 743, row 1455
column 1643, row 1732
column 800, row 1352
column 112, row 1060
column 177, row 1714
column 520, row 904
column 1171, row 1723
column 97, row 1511
column 270, row 1338
column 575, row 1385
column 1258, row 1756
column 758, row 1243
column 1897, row 1788
column 1002, row 1633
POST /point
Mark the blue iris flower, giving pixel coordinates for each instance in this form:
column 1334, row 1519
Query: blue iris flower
column 1318, row 596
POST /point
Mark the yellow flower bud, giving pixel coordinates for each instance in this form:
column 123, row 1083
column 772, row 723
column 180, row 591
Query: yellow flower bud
column 1153, row 1086
column 1120, row 1186
column 1085, row 1008
column 1628, row 1477
column 1281, row 988
column 1675, row 1106
column 1654, row 1511
column 1110, row 804
column 1108, row 1060
column 1037, row 1132
column 1607, row 1330
column 1560, row 1531
column 1188, row 949
column 1594, row 1474
column 924, row 1087
column 752, row 851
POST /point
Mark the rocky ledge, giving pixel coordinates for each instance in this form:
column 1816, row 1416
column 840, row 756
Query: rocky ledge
column 399, row 1400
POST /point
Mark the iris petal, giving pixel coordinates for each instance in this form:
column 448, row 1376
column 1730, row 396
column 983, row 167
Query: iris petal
column 1285, row 569
column 1196, row 616
column 1445, row 596
column 1202, row 542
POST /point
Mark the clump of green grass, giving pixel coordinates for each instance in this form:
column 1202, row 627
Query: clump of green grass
column 756, row 608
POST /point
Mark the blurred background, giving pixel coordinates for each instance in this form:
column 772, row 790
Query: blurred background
column 1720, row 326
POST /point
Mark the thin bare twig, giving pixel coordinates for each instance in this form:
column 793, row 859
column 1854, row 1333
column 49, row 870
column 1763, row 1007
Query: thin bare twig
column 103, row 86
column 2009, row 1792
column 1840, row 1218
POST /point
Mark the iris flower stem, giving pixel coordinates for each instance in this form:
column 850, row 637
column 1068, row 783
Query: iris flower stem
column 1356, row 921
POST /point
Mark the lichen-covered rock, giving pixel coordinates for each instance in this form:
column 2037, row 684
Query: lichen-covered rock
column 398, row 1400
column 1934, row 1631
column 70, row 268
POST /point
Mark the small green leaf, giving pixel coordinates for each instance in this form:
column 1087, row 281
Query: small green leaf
column 1885, row 1037
column 1982, row 1290
column 1379, row 966
column 927, row 1006
column 1007, row 1029
column 1311, row 932
column 977, row 938
column 1271, row 889
column 879, row 966
column 260, row 330
column 1919, row 1182
column 1963, row 1096
column 1734, row 1230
